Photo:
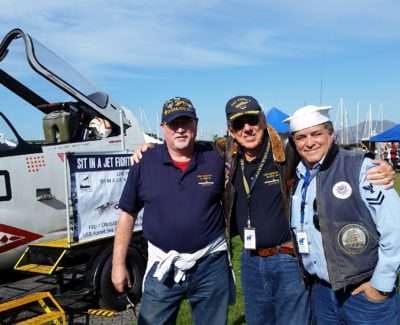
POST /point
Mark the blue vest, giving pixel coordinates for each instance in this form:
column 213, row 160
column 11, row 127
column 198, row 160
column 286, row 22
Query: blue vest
column 349, row 234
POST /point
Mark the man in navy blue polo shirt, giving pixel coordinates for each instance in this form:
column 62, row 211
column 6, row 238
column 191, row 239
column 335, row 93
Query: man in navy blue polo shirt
column 180, row 186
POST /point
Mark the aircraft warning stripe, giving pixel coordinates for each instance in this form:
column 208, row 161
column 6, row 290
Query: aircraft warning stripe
column 102, row 312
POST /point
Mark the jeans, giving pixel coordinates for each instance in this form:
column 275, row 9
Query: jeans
column 340, row 307
column 206, row 287
column 274, row 292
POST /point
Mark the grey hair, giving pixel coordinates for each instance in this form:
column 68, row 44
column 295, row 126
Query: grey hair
column 329, row 127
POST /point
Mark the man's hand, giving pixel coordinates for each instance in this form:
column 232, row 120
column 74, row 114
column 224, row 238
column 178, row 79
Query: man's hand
column 369, row 291
column 123, row 233
column 381, row 174
column 137, row 154
column 120, row 278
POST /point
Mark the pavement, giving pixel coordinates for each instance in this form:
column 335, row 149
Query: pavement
column 74, row 302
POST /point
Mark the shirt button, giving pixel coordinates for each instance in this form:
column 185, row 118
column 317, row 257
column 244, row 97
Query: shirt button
column 315, row 262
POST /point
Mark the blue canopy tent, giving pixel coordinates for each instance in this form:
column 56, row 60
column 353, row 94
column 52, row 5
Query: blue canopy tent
column 390, row 135
column 275, row 117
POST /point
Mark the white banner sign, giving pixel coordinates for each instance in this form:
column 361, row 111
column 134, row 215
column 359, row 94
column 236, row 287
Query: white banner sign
column 97, row 182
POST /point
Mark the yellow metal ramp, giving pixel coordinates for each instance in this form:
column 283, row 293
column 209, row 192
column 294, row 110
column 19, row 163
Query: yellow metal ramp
column 45, row 257
column 38, row 268
column 50, row 312
column 26, row 262
column 55, row 243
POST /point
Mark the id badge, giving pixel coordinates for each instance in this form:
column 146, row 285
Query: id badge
column 249, row 238
column 302, row 242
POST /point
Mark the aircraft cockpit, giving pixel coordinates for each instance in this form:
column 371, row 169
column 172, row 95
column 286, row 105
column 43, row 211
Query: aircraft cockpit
column 67, row 122
column 49, row 112
column 68, row 107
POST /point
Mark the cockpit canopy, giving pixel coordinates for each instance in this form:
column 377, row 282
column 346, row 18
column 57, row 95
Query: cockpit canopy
column 68, row 100
column 66, row 95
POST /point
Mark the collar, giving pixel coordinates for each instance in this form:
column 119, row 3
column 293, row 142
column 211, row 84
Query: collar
column 166, row 158
column 330, row 156
column 302, row 169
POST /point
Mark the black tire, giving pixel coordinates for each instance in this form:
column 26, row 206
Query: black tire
column 109, row 297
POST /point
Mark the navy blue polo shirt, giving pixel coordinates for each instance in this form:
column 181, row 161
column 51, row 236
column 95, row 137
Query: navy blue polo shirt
column 266, row 204
column 182, row 210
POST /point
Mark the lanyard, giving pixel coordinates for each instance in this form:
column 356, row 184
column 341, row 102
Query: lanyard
column 248, row 189
column 308, row 177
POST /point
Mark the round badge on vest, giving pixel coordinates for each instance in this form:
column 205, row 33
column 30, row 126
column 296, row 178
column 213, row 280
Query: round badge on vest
column 353, row 239
column 342, row 190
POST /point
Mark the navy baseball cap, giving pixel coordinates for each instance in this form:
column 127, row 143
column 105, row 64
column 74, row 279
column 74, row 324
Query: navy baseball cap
column 177, row 107
column 242, row 105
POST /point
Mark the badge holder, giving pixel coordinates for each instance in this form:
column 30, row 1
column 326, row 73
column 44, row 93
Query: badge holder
column 302, row 242
column 249, row 238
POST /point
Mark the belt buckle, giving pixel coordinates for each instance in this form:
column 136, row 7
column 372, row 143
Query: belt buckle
column 265, row 252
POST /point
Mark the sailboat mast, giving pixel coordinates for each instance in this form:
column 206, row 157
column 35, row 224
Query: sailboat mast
column 358, row 115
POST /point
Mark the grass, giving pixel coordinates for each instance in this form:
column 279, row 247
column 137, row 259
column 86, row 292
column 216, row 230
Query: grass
column 397, row 183
column 236, row 312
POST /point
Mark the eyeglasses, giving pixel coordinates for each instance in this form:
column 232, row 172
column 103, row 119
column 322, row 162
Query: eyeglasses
column 238, row 123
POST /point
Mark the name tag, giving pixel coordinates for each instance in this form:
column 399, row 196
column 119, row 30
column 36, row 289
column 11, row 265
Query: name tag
column 249, row 238
column 302, row 242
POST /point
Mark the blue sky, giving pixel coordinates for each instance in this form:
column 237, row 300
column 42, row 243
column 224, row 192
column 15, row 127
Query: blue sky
column 144, row 52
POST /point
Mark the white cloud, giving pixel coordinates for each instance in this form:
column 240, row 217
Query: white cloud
column 212, row 33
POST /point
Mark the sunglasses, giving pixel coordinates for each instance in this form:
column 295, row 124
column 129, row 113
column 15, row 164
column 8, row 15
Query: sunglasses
column 315, row 216
column 180, row 122
column 239, row 123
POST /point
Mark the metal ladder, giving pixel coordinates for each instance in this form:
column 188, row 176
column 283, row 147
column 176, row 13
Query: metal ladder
column 50, row 309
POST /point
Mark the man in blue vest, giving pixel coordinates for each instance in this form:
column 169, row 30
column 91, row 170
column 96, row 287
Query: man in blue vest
column 347, row 230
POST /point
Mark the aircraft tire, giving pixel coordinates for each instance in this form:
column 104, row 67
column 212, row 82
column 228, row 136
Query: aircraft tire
column 109, row 297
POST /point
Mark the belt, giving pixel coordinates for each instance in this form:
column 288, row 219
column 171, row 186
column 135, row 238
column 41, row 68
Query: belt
column 271, row 251
column 348, row 288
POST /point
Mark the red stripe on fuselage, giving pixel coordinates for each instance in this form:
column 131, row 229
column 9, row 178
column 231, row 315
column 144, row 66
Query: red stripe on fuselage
column 16, row 237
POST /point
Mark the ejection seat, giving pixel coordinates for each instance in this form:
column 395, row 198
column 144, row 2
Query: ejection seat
column 60, row 126
column 56, row 127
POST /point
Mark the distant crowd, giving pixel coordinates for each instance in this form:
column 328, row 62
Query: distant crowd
column 391, row 153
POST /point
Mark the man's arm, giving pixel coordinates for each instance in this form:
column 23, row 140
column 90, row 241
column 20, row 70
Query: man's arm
column 123, row 233
column 137, row 154
column 384, row 205
column 381, row 174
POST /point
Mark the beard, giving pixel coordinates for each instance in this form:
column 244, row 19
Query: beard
column 181, row 144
